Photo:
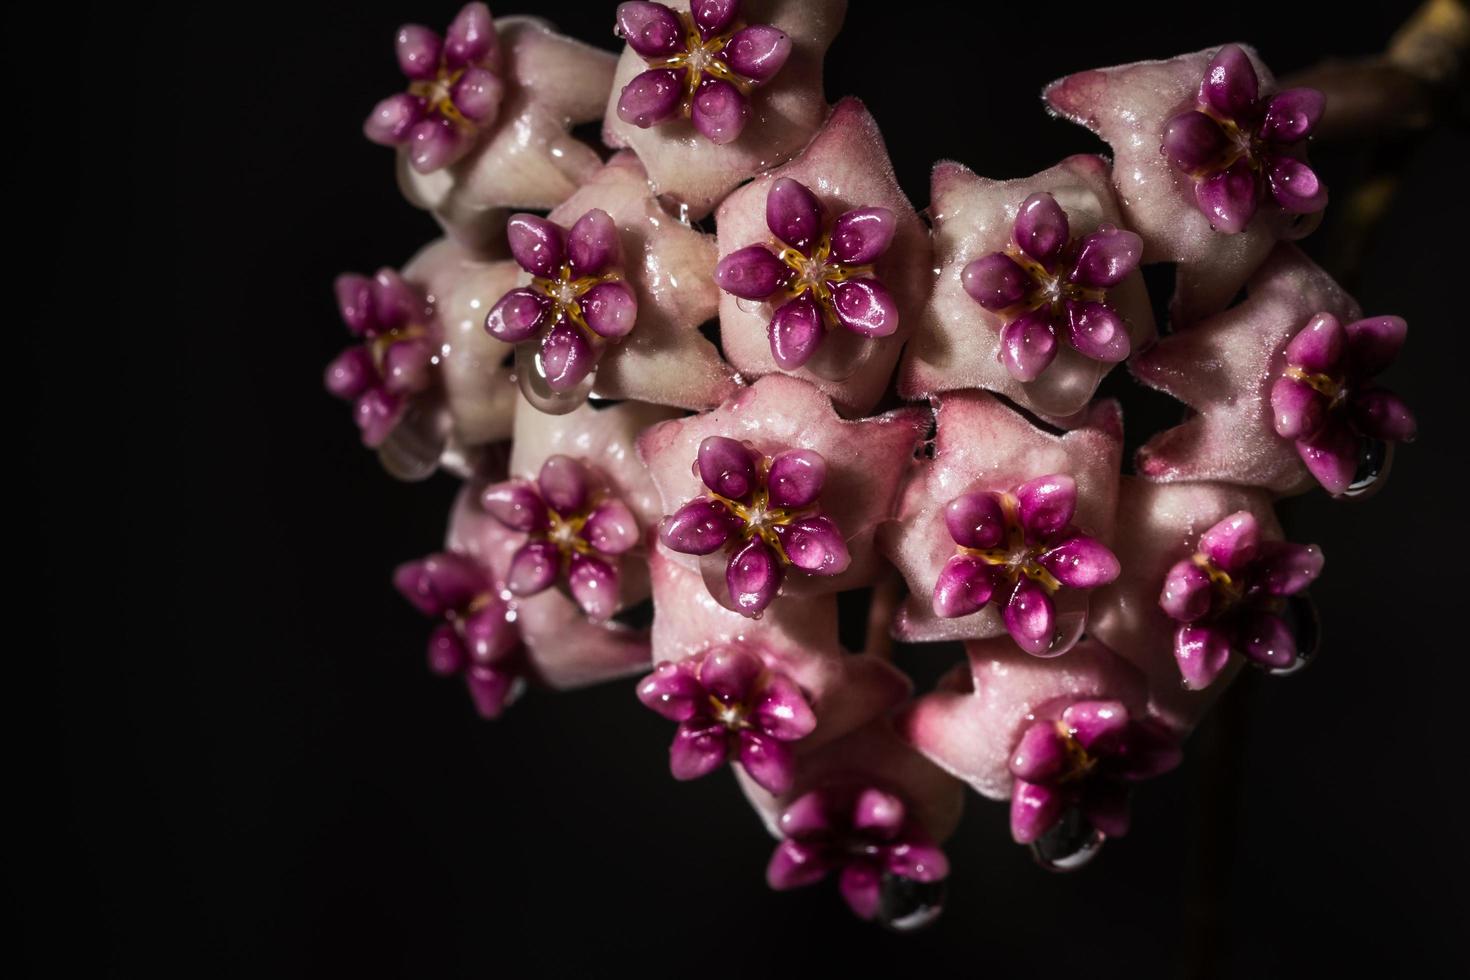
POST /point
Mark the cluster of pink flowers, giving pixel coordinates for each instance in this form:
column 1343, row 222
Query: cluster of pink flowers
column 613, row 454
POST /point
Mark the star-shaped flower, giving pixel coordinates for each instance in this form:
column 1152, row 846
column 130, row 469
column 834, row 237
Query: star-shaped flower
column 1164, row 521
column 1226, row 367
column 983, row 448
column 975, row 721
column 1132, row 107
column 626, row 329
column 871, row 810
column 784, row 112
column 1038, row 292
column 485, row 122
column 824, row 265
column 862, row 464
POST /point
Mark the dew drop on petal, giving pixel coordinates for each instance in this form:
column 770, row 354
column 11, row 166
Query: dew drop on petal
column 905, row 904
column 1069, row 843
column 1375, row 459
column 1301, row 618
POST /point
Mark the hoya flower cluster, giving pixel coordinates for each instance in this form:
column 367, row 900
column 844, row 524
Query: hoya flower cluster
column 617, row 453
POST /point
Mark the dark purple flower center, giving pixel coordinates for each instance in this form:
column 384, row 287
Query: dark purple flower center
column 1016, row 557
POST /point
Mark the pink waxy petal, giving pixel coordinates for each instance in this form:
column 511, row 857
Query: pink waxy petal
column 878, row 814
column 1097, row 725
column 730, row 673
column 446, row 652
column 753, row 272
column 815, row 545
column 433, row 144
column 995, row 281
column 477, row 96
column 1041, row 228
column 672, row 691
column 376, row 414
column 1030, row 617
column 728, row 467
column 516, row 505
column 407, row 367
column 1105, row 257
column 537, row 245
column 566, row 356
column 782, row 710
column 594, row 584
column 563, row 482
column 1287, row 568
column 439, row 583
column 610, row 309
column 1374, row 343
column 1331, row 456
column 964, row 586
column 418, row 49
column 920, row 861
column 611, row 528
column 1295, row 186
column 351, row 373
column 1230, row 85
column 651, row 29
column 1105, row 806
column 700, row 527
column 1187, row 593
column 697, row 751
column 393, row 118
column 1040, row 755
column 488, row 637
column 976, row 520
column 1045, row 505
column 1229, row 198
column 795, row 478
column 1293, row 114
column 1233, row 543
column 533, row 568
column 796, row 330
column 1081, row 562
column 1193, row 141
column 651, row 97
column 766, row 760
column 861, row 888
column 1319, row 346
column 713, row 17
column 471, row 38
column 758, row 52
column 1201, row 652
column 794, row 215
column 1034, row 808
column 1297, row 409
column 1381, row 414
column 490, row 690
column 866, row 307
column 796, row 865
column 592, row 244
column 1095, row 331
column 862, row 235
column 1267, row 640
column 753, row 577
column 518, row 315
column 1028, row 345
column 720, row 110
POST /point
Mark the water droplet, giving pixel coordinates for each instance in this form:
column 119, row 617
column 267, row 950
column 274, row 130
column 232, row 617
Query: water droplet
column 1301, row 616
column 1069, row 844
column 1375, row 459
column 905, row 904
column 412, row 450
column 754, row 307
column 1069, row 631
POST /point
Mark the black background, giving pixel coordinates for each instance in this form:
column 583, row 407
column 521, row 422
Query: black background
column 245, row 766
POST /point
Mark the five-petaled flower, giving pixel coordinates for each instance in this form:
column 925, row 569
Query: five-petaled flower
column 477, row 638
column 1084, row 756
column 1235, row 146
column 1048, row 284
column 1325, row 401
column 1230, row 595
column 863, row 833
column 824, row 274
column 574, row 529
column 1020, row 548
column 577, row 301
column 396, row 357
column 454, row 90
column 702, row 65
column 730, row 705
column 762, row 511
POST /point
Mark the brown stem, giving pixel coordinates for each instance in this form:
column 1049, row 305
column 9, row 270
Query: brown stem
column 887, row 594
